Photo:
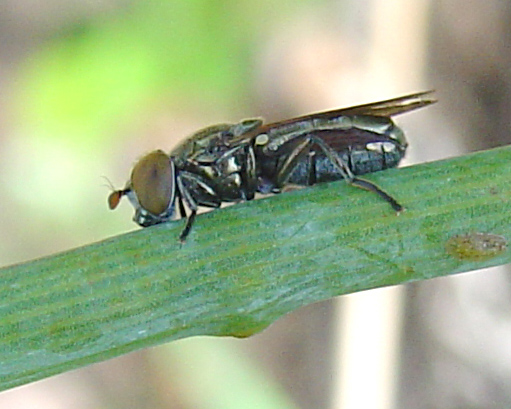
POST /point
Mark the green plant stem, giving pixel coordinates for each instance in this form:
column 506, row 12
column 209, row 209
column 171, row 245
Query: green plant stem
column 245, row 266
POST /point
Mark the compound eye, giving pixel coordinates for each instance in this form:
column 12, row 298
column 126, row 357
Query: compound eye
column 152, row 181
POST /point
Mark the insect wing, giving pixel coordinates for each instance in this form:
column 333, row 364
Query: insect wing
column 393, row 106
column 386, row 108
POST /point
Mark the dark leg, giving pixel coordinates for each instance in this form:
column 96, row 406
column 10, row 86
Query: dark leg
column 304, row 147
column 298, row 153
column 192, row 205
column 351, row 179
column 188, row 226
column 182, row 211
column 365, row 184
column 194, row 191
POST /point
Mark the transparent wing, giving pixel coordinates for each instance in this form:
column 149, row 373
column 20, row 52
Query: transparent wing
column 386, row 108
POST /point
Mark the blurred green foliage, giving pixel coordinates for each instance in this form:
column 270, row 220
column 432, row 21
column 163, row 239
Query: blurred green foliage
column 109, row 69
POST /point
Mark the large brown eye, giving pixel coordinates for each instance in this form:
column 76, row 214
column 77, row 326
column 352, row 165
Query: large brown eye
column 152, row 180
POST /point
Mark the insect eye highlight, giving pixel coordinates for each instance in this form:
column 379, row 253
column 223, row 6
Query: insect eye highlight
column 152, row 181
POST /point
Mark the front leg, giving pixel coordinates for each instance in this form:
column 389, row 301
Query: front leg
column 195, row 192
column 188, row 226
column 181, row 206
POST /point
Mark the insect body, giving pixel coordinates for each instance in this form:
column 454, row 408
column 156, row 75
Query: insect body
column 232, row 162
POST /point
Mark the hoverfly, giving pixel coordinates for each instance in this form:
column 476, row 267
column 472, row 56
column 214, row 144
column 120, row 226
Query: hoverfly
column 233, row 162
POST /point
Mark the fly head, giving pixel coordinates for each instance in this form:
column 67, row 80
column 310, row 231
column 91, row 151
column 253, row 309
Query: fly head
column 151, row 189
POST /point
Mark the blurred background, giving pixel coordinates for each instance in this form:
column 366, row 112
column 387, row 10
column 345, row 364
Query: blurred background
column 87, row 87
